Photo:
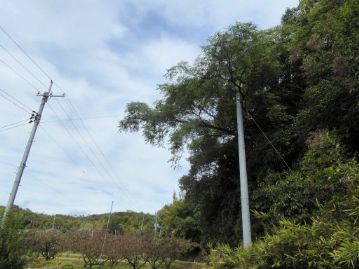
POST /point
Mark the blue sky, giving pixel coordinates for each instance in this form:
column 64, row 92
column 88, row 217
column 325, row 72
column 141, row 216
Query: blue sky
column 103, row 54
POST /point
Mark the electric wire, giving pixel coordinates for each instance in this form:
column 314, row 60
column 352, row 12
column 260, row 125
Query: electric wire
column 268, row 140
column 57, row 85
column 18, row 74
column 76, row 128
column 78, row 119
column 12, row 127
column 23, row 66
column 8, row 164
column 52, row 138
column 106, row 170
column 93, row 140
column 92, row 163
column 33, row 61
column 15, row 99
column 76, row 141
column 46, row 74
column 15, row 104
column 25, row 53
column 11, row 124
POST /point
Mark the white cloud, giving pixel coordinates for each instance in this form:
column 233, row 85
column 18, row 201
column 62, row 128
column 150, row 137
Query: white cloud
column 61, row 24
column 220, row 14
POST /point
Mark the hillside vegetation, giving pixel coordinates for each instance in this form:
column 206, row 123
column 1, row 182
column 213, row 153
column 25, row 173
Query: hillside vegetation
column 300, row 86
column 120, row 221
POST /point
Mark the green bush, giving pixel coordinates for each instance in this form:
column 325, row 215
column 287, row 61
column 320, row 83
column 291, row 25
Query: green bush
column 315, row 210
column 12, row 248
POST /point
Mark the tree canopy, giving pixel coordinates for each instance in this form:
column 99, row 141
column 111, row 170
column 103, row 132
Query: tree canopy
column 298, row 80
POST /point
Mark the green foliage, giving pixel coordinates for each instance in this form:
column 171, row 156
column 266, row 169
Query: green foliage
column 320, row 185
column 120, row 221
column 12, row 247
column 319, row 245
column 312, row 218
column 177, row 219
column 198, row 111
column 299, row 81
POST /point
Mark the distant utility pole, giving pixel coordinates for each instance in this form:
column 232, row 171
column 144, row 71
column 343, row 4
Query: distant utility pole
column 37, row 118
column 246, row 222
column 53, row 222
column 156, row 224
column 109, row 216
column 107, row 226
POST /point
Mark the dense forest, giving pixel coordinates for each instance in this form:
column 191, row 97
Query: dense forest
column 299, row 83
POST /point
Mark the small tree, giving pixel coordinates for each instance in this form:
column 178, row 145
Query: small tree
column 47, row 242
column 90, row 243
column 172, row 249
column 154, row 252
column 134, row 249
column 113, row 249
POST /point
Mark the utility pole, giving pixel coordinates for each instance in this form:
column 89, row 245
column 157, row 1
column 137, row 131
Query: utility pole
column 156, row 224
column 109, row 216
column 107, row 226
column 37, row 118
column 246, row 222
column 53, row 223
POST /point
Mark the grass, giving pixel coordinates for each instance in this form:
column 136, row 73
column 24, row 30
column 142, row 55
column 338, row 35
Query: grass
column 76, row 261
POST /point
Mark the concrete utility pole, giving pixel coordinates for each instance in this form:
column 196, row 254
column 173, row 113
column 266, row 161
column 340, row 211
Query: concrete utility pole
column 246, row 222
column 109, row 216
column 156, row 225
column 37, row 118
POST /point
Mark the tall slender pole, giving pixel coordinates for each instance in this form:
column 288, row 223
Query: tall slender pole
column 107, row 226
column 246, row 223
column 109, row 216
column 156, row 224
column 45, row 97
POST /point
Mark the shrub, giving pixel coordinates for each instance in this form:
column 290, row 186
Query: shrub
column 12, row 248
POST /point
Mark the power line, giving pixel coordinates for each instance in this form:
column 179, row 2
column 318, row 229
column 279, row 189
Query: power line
column 14, row 103
column 92, row 138
column 92, row 163
column 14, row 123
column 24, row 52
column 106, row 170
column 12, row 127
column 23, row 66
column 269, row 141
column 58, row 86
column 18, row 74
column 109, row 169
column 78, row 119
column 16, row 100
column 53, row 139
column 78, row 145
column 74, row 139
column 8, row 164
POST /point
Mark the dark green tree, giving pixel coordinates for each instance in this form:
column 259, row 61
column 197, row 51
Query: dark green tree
column 198, row 111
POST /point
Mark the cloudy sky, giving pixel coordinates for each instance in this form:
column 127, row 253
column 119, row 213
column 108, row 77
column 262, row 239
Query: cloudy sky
column 103, row 54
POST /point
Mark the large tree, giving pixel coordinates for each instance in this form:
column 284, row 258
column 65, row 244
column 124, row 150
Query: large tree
column 198, row 111
column 295, row 79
